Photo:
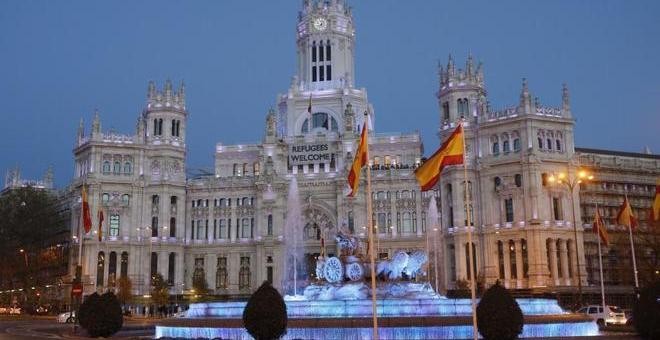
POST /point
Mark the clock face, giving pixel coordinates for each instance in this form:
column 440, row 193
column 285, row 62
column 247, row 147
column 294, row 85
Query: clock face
column 320, row 24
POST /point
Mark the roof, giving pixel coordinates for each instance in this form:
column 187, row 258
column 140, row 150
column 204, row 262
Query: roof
column 617, row 153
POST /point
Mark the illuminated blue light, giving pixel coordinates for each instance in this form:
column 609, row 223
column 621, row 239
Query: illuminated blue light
column 445, row 332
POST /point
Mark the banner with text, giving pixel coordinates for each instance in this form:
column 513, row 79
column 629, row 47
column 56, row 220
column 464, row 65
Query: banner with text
column 310, row 153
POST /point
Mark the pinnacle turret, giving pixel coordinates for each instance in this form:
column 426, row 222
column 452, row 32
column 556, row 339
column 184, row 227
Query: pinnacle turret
column 167, row 97
column 525, row 105
column 565, row 101
column 96, row 123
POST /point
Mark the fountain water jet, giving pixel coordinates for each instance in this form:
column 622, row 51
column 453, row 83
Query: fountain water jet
column 432, row 226
column 293, row 231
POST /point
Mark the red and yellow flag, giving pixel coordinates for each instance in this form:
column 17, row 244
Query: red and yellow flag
column 101, row 218
column 359, row 161
column 600, row 229
column 655, row 208
column 86, row 213
column 450, row 153
column 625, row 216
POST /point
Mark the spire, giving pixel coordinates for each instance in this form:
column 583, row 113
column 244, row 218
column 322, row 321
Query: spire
column 151, row 90
column 525, row 106
column 181, row 94
column 565, row 101
column 441, row 75
column 96, row 123
column 168, row 89
column 469, row 65
column 48, row 177
column 81, row 130
column 450, row 67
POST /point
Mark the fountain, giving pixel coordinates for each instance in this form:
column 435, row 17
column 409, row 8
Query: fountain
column 338, row 305
column 293, row 231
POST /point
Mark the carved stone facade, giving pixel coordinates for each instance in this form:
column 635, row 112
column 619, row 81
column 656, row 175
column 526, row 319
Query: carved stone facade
column 228, row 226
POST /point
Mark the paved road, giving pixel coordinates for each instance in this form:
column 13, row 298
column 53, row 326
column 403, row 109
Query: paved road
column 26, row 328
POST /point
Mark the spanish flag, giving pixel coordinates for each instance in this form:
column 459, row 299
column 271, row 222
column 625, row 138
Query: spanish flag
column 600, row 229
column 655, row 209
column 625, row 216
column 86, row 213
column 450, row 153
column 359, row 161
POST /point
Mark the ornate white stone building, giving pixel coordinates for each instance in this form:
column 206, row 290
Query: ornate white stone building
column 228, row 226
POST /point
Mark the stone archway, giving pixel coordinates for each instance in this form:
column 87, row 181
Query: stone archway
column 318, row 223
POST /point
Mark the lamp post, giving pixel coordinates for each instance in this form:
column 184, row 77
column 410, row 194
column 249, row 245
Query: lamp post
column 571, row 183
column 22, row 251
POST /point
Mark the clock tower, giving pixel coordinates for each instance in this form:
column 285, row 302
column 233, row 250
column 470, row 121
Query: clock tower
column 325, row 39
column 325, row 82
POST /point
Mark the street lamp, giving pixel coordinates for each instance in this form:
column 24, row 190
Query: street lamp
column 571, row 183
column 22, row 251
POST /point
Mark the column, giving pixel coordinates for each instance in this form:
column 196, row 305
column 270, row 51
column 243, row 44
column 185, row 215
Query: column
column 554, row 275
column 178, row 271
column 507, row 263
column 519, row 264
column 563, row 253
column 570, row 246
column 210, row 263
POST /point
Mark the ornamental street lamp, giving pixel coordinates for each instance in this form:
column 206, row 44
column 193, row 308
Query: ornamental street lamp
column 571, row 182
column 22, row 251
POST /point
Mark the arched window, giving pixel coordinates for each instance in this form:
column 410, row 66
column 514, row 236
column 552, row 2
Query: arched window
column 124, row 264
column 112, row 269
column 516, row 144
column 269, row 229
column 155, row 127
column 518, row 180
column 100, row 268
column 221, row 273
column 549, row 144
column 106, row 167
column 172, row 227
column 497, row 181
column 500, row 259
column 407, row 223
column 116, row 169
column 320, row 120
column 173, row 128
column 321, row 55
column 154, row 226
column 328, row 54
column 540, row 140
column 127, row 168
column 512, row 259
column 126, row 199
column 467, row 259
column 525, row 259
column 495, row 145
column 171, row 262
column 160, row 127
column 558, row 145
column 105, row 198
column 450, row 205
column 246, row 201
column 244, row 273
column 154, row 264
column 245, row 228
column 314, row 52
column 256, row 169
column 505, row 143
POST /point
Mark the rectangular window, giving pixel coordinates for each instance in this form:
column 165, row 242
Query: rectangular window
column 321, row 73
column 445, row 111
column 222, row 229
column 313, row 53
column 270, row 225
column 321, row 55
column 269, row 274
column 556, row 209
column 313, row 73
column 328, row 71
column 508, row 207
column 114, row 225
column 328, row 54
column 200, row 230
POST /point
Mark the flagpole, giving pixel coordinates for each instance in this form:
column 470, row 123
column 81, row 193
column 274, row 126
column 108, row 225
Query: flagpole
column 475, row 331
column 371, row 237
column 632, row 247
column 600, row 257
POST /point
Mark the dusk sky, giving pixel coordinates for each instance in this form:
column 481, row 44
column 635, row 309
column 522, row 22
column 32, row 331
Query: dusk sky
column 59, row 60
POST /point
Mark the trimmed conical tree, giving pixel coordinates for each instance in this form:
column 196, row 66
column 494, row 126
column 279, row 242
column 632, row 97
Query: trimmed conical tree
column 498, row 314
column 265, row 315
column 101, row 315
column 646, row 312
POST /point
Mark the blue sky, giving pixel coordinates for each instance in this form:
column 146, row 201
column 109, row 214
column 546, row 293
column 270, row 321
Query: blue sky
column 59, row 60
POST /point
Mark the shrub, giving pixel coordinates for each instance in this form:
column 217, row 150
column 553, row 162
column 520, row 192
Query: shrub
column 101, row 315
column 646, row 312
column 498, row 314
column 265, row 316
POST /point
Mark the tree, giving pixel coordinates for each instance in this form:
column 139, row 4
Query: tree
column 646, row 312
column 160, row 293
column 199, row 282
column 265, row 315
column 125, row 294
column 101, row 315
column 28, row 218
column 498, row 314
